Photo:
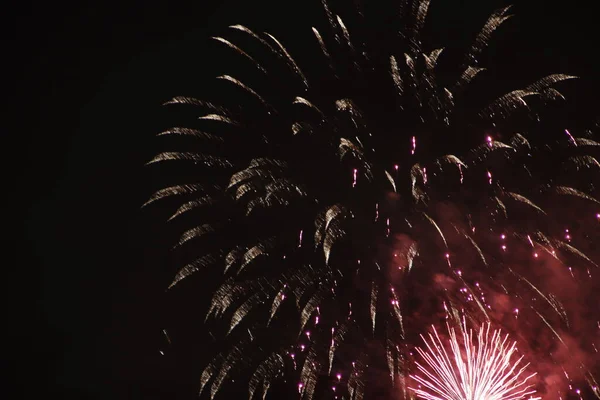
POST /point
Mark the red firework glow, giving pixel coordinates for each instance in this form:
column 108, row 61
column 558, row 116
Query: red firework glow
column 477, row 368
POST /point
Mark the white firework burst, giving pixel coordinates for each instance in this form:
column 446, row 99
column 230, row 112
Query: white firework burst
column 482, row 367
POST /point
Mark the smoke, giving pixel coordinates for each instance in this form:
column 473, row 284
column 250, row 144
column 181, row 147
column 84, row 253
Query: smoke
column 546, row 302
column 553, row 325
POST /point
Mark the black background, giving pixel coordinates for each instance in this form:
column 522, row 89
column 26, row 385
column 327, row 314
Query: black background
column 83, row 85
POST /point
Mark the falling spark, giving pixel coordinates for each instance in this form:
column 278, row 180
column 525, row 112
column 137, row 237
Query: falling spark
column 414, row 145
column 475, row 368
column 166, row 336
column 300, row 239
column 489, row 175
column 571, row 137
column 354, row 173
column 530, row 241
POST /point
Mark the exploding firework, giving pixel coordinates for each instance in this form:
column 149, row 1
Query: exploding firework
column 332, row 215
column 482, row 367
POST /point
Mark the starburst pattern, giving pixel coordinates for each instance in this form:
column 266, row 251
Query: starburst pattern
column 337, row 210
column 481, row 367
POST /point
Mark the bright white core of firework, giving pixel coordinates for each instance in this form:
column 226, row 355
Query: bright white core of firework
column 482, row 367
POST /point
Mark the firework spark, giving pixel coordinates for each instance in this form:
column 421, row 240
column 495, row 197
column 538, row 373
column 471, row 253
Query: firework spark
column 337, row 212
column 484, row 367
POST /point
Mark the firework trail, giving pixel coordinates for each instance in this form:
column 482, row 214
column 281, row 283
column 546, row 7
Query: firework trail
column 481, row 367
column 332, row 213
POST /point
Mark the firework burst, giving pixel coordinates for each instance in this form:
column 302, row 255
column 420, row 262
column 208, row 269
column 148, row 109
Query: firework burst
column 326, row 243
column 481, row 367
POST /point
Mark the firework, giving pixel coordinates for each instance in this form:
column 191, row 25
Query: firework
column 326, row 242
column 481, row 367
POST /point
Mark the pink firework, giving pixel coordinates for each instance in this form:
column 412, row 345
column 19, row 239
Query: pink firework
column 484, row 367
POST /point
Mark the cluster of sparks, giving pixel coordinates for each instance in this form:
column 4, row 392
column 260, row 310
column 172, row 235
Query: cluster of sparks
column 475, row 368
column 478, row 367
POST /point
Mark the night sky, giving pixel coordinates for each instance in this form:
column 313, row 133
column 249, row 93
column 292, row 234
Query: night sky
column 85, row 292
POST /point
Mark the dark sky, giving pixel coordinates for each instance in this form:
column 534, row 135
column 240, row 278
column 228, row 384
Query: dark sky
column 84, row 291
